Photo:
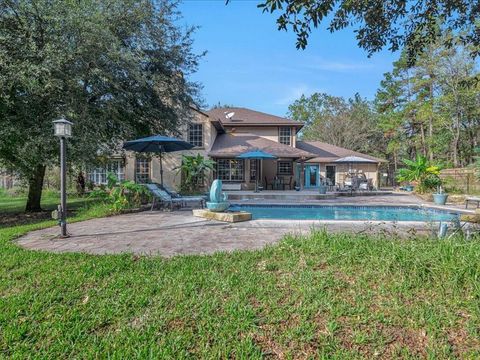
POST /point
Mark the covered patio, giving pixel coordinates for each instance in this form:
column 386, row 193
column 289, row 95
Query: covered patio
column 279, row 174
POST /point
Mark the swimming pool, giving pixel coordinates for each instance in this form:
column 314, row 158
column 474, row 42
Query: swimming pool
column 345, row 212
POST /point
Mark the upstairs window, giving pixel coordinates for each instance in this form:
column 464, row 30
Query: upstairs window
column 285, row 135
column 195, row 135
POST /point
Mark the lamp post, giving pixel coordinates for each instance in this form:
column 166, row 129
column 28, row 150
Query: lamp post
column 63, row 129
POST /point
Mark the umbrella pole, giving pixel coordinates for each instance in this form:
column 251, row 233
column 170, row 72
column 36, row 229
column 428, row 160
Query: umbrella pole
column 256, row 176
column 161, row 169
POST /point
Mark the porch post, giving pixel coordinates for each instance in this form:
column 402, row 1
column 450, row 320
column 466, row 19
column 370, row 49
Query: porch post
column 302, row 173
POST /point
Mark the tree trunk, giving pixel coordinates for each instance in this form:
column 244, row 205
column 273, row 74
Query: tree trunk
column 430, row 122
column 35, row 186
column 422, row 139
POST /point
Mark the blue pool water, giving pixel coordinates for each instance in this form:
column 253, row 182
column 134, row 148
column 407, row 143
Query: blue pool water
column 344, row 212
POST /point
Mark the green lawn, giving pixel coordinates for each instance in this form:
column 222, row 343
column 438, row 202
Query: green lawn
column 50, row 200
column 330, row 296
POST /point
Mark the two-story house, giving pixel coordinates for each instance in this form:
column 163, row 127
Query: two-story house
column 224, row 133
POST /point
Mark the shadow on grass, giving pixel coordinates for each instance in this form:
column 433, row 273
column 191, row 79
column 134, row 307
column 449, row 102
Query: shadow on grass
column 12, row 209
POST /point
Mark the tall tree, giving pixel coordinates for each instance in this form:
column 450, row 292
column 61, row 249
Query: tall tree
column 116, row 68
column 431, row 108
column 348, row 123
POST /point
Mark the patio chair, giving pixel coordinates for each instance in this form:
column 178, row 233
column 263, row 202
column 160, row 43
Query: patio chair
column 289, row 184
column 165, row 197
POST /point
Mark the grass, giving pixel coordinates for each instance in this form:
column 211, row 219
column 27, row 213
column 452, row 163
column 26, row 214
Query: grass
column 16, row 204
column 329, row 296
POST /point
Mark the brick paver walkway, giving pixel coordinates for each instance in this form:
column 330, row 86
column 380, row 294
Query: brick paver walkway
column 169, row 234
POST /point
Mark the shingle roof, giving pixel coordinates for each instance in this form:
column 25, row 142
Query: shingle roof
column 231, row 145
column 329, row 153
column 247, row 117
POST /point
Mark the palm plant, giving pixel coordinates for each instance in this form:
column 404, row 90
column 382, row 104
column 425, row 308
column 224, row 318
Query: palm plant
column 420, row 172
column 194, row 170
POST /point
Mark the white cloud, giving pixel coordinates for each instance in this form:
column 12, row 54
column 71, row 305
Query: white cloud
column 309, row 63
column 341, row 66
column 294, row 93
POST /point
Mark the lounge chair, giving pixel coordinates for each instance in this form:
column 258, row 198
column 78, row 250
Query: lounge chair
column 165, row 197
column 472, row 199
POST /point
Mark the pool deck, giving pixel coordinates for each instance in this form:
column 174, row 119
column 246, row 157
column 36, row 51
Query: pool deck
column 179, row 233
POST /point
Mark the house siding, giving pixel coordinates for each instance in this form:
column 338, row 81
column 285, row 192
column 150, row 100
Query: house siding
column 172, row 161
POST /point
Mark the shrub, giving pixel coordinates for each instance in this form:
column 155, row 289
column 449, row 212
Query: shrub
column 421, row 173
column 120, row 195
column 193, row 170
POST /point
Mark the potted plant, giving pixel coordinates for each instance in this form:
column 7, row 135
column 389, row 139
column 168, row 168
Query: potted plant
column 440, row 197
column 409, row 187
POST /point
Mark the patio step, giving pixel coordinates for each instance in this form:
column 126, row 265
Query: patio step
column 278, row 196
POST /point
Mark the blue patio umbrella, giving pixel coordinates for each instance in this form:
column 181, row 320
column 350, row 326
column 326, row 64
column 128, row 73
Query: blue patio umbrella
column 256, row 155
column 157, row 144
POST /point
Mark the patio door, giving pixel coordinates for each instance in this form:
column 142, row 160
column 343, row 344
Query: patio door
column 312, row 176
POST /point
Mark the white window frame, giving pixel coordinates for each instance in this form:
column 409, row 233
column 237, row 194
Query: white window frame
column 285, row 135
column 253, row 169
column 195, row 134
column 281, row 171
column 98, row 175
column 143, row 169
column 227, row 173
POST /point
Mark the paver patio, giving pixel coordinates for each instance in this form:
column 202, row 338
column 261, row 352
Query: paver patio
column 179, row 233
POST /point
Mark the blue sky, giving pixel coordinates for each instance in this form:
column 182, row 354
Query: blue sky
column 249, row 63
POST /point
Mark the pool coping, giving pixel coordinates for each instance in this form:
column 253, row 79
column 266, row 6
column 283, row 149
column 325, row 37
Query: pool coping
column 412, row 205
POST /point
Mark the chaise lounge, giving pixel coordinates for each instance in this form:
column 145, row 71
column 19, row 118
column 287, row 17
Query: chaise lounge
column 162, row 196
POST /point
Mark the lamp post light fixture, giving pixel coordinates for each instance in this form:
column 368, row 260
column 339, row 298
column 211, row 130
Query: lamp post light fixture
column 63, row 129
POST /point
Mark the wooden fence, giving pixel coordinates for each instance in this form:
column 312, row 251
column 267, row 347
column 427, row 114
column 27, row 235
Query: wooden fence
column 461, row 178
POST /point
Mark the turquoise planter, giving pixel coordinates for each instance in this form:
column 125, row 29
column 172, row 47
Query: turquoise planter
column 440, row 199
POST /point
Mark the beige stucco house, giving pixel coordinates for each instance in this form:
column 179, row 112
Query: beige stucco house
column 224, row 133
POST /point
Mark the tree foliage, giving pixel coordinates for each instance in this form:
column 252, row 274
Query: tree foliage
column 431, row 108
column 347, row 123
column 396, row 24
column 115, row 68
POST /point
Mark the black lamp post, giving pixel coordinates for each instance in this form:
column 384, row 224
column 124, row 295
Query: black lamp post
column 63, row 129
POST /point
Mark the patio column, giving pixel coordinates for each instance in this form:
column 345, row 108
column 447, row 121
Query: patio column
column 302, row 173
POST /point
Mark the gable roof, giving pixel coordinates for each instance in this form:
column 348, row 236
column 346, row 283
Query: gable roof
column 231, row 145
column 329, row 153
column 248, row 117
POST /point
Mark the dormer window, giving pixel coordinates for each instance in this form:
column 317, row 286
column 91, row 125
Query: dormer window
column 195, row 135
column 285, row 135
